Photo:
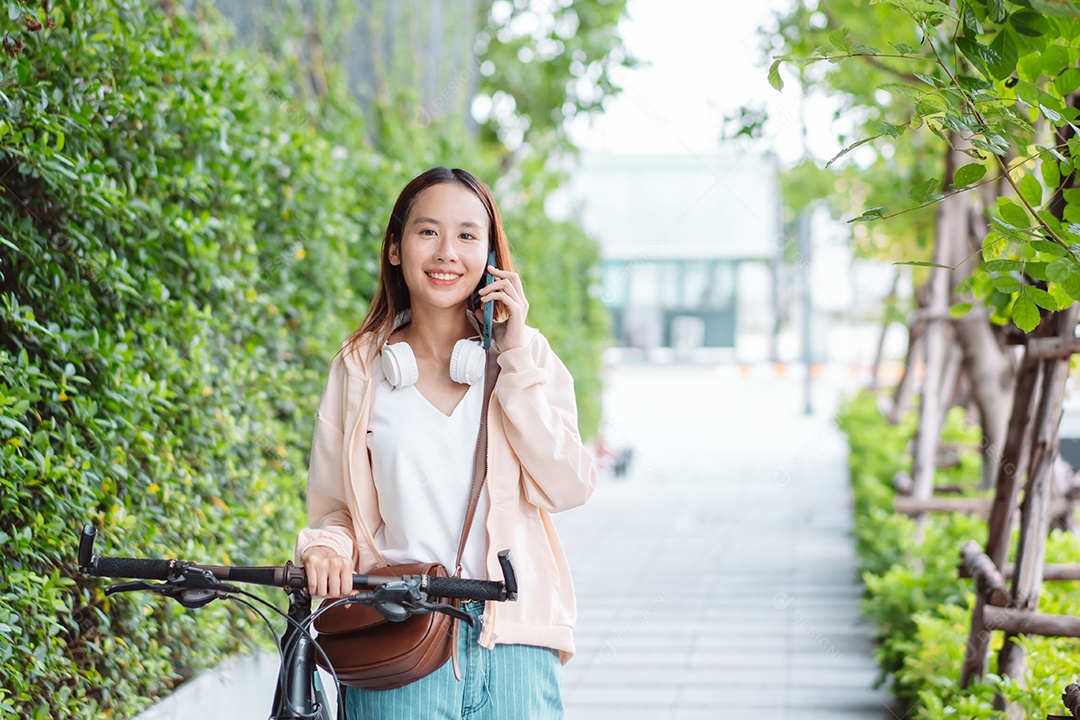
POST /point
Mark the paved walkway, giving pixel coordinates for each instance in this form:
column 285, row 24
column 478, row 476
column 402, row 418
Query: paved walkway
column 718, row 579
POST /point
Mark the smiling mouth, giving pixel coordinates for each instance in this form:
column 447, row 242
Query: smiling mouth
column 443, row 276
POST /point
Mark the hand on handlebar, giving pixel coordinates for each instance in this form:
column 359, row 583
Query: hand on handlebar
column 328, row 573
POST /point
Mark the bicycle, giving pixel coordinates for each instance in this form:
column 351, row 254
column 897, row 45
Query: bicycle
column 299, row 694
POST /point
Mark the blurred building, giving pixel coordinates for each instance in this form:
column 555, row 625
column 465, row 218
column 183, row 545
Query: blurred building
column 690, row 246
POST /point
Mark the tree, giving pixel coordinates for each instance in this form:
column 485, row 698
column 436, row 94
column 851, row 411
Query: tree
column 957, row 110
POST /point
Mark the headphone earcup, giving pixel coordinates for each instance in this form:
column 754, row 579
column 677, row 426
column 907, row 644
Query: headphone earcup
column 399, row 365
column 468, row 362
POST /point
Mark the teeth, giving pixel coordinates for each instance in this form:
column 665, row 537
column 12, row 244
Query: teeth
column 444, row 276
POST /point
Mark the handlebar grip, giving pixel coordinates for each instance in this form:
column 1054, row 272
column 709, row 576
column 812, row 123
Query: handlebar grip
column 465, row 589
column 132, row 568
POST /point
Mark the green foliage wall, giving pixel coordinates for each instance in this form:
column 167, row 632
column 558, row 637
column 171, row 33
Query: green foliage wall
column 184, row 243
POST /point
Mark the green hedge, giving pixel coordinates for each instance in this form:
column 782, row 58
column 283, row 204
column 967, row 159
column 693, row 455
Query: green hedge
column 182, row 247
column 919, row 605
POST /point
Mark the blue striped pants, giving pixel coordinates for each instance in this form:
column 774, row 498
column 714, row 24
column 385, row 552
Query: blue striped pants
column 511, row 682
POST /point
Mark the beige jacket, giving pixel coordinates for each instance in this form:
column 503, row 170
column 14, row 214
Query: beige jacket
column 536, row 463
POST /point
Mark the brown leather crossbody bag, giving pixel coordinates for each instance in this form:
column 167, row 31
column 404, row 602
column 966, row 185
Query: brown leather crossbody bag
column 368, row 651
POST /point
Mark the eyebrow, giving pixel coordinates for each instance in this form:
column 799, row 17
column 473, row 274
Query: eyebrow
column 433, row 221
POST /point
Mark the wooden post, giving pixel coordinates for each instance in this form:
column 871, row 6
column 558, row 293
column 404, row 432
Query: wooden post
column 1071, row 699
column 929, row 432
column 1035, row 512
column 967, row 506
column 886, row 322
column 1051, row 572
column 1011, row 467
column 1014, row 456
column 906, row 387
column 988, row 579
column 950, row 378
column 1015, row 622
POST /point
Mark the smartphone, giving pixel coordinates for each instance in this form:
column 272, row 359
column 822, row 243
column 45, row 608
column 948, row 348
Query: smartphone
column 489, row 308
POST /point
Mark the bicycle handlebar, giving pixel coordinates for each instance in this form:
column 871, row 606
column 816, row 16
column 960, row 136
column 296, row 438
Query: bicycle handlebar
column 288, row 575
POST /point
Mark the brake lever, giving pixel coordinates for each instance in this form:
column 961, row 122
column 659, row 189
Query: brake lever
column 128, row 587
column 398, row 601
column 452, row 612
column 190, row 587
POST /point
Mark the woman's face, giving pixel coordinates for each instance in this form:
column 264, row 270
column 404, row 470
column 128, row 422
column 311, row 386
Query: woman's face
column 444, row 246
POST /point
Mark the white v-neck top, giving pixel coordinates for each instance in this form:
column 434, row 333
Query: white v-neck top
column 422, row 462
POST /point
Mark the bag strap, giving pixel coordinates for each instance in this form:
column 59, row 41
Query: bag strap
column 480, row 459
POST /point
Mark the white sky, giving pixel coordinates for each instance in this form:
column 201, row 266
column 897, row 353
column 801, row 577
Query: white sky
column 701, row 60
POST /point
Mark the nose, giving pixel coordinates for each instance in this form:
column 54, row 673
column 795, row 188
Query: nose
column 445, row 249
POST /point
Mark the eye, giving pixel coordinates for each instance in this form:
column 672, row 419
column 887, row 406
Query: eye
column 425, row 231
column 467, row 236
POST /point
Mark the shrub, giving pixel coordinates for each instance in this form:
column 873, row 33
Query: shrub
column 919, row 605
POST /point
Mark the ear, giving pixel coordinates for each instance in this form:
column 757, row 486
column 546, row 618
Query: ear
column 394, row 252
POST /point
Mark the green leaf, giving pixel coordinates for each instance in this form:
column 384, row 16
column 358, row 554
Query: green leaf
column 929, row 79
column 998, row 299
column 1052, row 115
column 874, row 213
column 1061, row 297
column 980, row 55
column 1059, row 270
column 922, row 263
column 931, row 105
column 1037, row 270
column 1013, row 214
column 972, row 84
column 983, row 145
column 925, row 7
column 1029, row 23
column 1031, row 189
column 1068, row 81
column 1025, row 314
column 996, row 10
column 960, row 309
column 925, row 191
column 1041, row 298
column 1048, row 247
column 838, row 39
column 968, row 174
column 1005, row 283
column 1071, row 285
column 1054, row 59
column 1050, row 173
column 1004, row 47
column 971, row 24
column 774, row 75
column 1057, row 8
column 1001, row 265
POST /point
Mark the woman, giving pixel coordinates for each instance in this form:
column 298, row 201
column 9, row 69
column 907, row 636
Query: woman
column 392, row 462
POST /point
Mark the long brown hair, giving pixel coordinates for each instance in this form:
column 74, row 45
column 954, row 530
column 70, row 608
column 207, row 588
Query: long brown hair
column 391, row 294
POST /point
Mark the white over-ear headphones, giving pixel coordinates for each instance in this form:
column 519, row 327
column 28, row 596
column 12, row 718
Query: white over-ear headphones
column 467, row 363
